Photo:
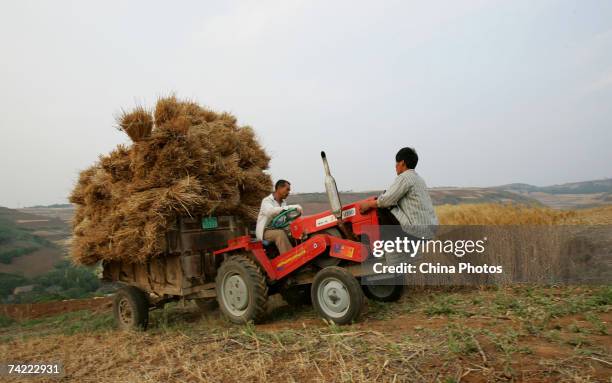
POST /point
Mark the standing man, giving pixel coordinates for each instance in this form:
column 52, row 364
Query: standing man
column 406, row 202
column 271, row 206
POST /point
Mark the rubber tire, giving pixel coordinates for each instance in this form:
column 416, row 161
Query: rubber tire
column 356, row 297
column 297, row 295
column 139, row 304
column 393, row 296
column 255, row 281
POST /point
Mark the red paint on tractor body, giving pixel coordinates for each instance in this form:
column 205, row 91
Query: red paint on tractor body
column 307, row 227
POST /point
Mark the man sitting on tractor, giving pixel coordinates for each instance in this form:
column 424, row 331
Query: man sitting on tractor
column 406, row 202
column 271, row 206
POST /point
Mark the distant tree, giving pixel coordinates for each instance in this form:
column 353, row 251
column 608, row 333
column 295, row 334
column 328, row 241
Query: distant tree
column 68, row 276
column 8, row 282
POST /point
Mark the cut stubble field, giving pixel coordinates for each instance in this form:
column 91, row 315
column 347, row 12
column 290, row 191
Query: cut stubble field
column 432, row 335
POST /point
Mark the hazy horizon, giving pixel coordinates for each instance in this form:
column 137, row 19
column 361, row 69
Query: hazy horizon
column 488, row 92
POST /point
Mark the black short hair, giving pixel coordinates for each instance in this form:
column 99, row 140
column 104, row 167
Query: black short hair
column 281, row 183
column 409, row 156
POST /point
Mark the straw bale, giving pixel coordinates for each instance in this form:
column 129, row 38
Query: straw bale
column 189, row 161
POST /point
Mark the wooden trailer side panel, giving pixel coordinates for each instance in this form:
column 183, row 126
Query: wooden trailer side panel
column 181, row 271
column 167, row 275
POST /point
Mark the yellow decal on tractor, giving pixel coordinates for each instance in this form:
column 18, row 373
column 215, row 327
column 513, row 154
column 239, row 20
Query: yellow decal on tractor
column 291, row 258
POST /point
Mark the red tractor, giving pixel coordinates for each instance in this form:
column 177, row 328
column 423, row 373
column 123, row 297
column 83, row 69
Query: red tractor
column 324, row 267
column 216, row 257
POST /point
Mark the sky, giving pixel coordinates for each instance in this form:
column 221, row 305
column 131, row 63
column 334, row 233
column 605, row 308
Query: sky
column 488, row 92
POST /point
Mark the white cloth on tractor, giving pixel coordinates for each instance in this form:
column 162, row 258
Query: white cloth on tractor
column 269, row 209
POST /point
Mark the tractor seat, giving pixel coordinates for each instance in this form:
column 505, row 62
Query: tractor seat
column 270, row 248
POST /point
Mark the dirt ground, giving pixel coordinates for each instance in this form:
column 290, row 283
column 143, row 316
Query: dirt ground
column 26, row 311
column 524, row 334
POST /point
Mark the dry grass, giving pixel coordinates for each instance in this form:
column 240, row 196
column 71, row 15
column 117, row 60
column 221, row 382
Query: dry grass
column 533, row 244
column 519, row 334
column 193, row 161
column 594, row 216
column 502, row 214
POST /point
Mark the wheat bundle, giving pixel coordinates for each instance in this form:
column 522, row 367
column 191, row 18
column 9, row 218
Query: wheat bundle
column 137, row 124
column 190, row 161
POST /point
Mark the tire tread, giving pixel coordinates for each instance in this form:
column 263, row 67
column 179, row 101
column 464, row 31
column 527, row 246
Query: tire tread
column 354, row 289
column 256, row 275
column 140, row 305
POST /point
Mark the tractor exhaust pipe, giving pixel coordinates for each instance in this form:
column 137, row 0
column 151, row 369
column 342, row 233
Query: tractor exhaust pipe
column 332, row 190
column 334, row 199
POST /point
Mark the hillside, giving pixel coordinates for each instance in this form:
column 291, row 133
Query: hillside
column 62, row 212
column 566, row 196
column 573, row 195
column 33, row 256
column 570, row 195
column 584, row 187
column 312, row 203
column 30, row 244
column 316, row 202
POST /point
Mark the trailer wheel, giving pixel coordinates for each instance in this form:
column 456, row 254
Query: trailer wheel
column 131, row 308
column 383, row 293
column 297, row 295
column 336, row 295
column 242, row 291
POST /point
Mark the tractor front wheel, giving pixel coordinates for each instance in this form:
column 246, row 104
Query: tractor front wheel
column 242, row 291
column 336, row 295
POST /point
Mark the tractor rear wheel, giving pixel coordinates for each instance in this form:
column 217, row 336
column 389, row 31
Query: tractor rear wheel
column 242, row 291
column 131, row 308
column 383, row 293
column 336, row 295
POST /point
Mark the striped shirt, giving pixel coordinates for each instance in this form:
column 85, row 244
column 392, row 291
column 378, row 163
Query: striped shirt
column 410, row 203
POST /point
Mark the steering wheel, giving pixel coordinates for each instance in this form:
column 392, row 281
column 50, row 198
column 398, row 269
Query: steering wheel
column 284, row 218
